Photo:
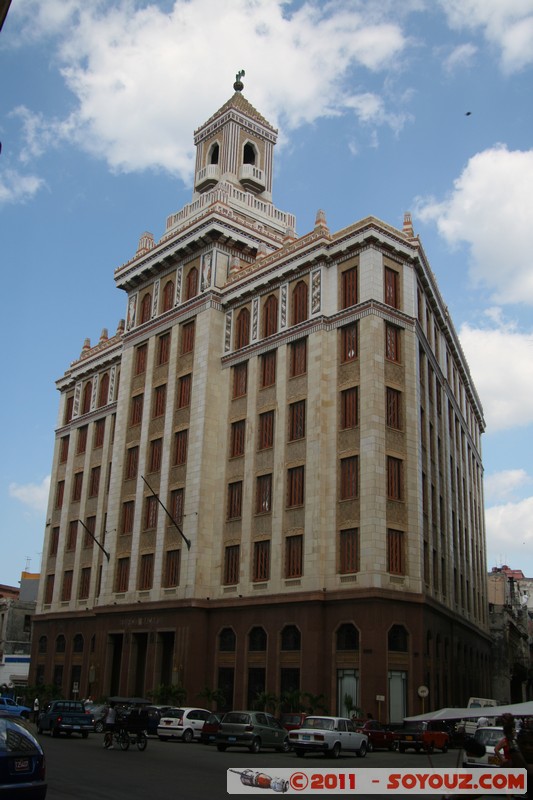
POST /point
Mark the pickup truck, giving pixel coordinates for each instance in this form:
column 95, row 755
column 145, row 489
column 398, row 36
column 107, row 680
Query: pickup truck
column 65, row 716
column 426, row 736
column 9, row 706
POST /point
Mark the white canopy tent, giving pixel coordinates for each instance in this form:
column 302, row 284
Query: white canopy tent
column 518, row 709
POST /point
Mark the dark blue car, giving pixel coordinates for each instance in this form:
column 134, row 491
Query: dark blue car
column 22, row 762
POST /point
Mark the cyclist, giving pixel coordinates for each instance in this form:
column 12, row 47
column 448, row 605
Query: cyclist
column 110, row 724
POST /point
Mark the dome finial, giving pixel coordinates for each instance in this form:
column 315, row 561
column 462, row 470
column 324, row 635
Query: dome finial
column 239, row 85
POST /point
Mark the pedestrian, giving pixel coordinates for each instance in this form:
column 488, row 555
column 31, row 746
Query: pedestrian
column 110, row 723
column 507, row 744
column 36, row 707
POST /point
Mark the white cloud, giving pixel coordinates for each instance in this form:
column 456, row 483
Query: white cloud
column 17, row 188
column 506, row 24
column 504, row 485
column 509, row 533
column 138, row 98
column 490, row 210
column 460, row 57
column 500, row 359
column 35, row 496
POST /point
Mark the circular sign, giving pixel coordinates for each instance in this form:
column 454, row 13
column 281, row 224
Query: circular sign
column 423, row 691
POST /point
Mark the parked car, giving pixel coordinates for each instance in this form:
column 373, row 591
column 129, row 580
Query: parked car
column 292, row 719
column 182, row 723
column 209, row 731
column 154, row 714
column 427, row 736
column 379, row 737
column 65, row 716
column 251, row 729
column 22, row 762
column 489, row 737
column 14, row 709
column 99, row 712
column 328, row 735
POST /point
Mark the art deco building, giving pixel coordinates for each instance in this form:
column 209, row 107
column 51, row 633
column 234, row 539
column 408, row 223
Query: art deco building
column 270, row 477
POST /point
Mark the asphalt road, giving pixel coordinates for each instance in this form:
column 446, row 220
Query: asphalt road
column 81, row 769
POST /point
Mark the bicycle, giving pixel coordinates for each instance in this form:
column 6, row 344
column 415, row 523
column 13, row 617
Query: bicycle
column 123, row 739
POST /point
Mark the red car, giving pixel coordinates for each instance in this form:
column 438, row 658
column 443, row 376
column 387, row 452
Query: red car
column 292, row 719
column 379, row 737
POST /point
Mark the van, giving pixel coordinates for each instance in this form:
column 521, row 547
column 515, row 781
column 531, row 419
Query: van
column 471, row 724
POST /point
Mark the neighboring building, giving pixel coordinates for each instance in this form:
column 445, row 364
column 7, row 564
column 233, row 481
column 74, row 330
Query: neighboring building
column 17, row 607
column 302, row 408
column 509, row 621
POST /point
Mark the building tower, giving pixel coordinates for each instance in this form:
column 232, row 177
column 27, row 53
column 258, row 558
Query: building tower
column 270, row 478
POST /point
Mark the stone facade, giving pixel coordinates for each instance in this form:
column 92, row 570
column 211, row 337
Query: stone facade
column 302, row 409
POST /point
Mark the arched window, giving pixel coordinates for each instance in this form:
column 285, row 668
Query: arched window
column 290, row 638
column 270, row 316
column 347, row 637
column 86, row 400
column 242, row 329
column 226, row 640
column 168, row 295
column 257, row 640
column 43, row 643
column 398, row 639
column 60, row 644
column 146, row 308
column 77, row 643
column 214, row 154
column 103, row 390
column 299, row 303
column 249, row 155
column 191, row 287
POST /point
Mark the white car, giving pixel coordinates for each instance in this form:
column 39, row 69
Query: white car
column 182, row 723
column 489, row 737
column 328, row 735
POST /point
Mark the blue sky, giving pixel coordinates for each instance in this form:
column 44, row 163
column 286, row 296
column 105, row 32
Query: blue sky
column 98, row 107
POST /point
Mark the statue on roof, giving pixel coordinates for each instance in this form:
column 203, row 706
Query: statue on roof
column 239, row 85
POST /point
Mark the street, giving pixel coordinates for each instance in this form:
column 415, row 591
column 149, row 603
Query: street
column 81, row 769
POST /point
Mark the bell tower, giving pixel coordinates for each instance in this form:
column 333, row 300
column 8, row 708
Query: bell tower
column 235, row 146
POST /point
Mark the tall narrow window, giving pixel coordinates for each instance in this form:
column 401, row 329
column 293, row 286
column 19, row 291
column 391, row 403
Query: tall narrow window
column 99, row 433
column 122, row 575
column 349, row 287
column 234, row 500
column 392, row 288
column 242, row 329
column 392, row 343
column 94, row 482
column 240, row 379
column 261, row 563
column 66, row 589
column 168, row 295
column 299, row 303
column 231, row 564
column 141, row 353
column 177, row 497
column 132, row 463
column 349, row 550
column 298, row 357
column 156, row 452
column 49, row 589
column 395, row 552
column 103, row 390
column 146, row 571
column 393, row 402
column 86, row 397
column 295, row 486
column 294, row 556
column 72, row 534
column 136, row 411
column 76, row 487
column 184, row 391
column 171, row 574
column 85, row 581
column 63, row 449
column 146, row 308
column 60, row 493
column 297, row 420
column 54, row 542
column 163, row 349
column 150, row 512
column 69, row 409
column 266, row 430
column 180, row 447
column 349, row 478
column 187, row 337
column 88, row 540
column 268, row 369
column 128, row 509
column 349, row 342
column 238, row 430
column 191, row 284
column 394, row 478
column 81, row 444
column 263, row 497
column 350, row 408
column 270, row 316
column 160, row 399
